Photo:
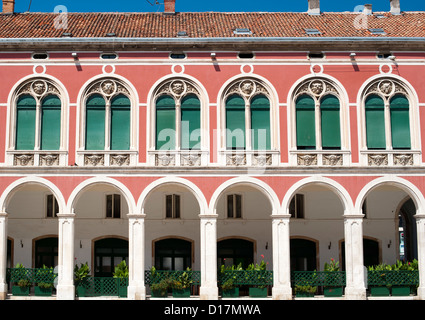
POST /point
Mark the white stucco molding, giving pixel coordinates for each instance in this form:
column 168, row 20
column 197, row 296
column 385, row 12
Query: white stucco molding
column 401, row 183
column 101, row 180
column 15, row 186
column 328, row 183
column 247, row 181
column 171, row 180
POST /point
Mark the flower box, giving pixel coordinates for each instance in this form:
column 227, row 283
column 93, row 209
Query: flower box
column 159, row 293
column 230, row 293
column 400, row 291
column 181, row 293
column 303, row 294
column 258, row 292
column 379, row 291
column 122, row 292
column 81, row 291
column 20, row 291
column 42, row 292
column 332, row 291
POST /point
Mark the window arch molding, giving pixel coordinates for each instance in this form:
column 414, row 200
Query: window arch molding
column 319, row 88
column 107, row 89
column 191, row 144
column 248, row 88
column 45, row 92
column 385, row 89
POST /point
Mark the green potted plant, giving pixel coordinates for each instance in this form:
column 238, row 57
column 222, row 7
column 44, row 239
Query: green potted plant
column 44, row 278
column 182, row 285
column 229, row 276
column 305, row 290
column 22, row 283
column 121, row 274
column 160, row 289
column 333, row 279
column 403, row 279
column 80, row 278
column 377, row 280
column 259, row 289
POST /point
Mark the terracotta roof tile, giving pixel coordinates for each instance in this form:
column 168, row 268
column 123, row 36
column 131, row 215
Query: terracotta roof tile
column 209, row 25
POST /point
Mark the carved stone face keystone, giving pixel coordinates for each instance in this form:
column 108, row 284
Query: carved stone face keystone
column 108, row 87
column 386, row 87
column 247, row 87
column 177, row 87
column 39, row 87
column 316, row 87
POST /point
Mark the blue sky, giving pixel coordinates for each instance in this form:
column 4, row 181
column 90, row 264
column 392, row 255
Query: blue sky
column 208, row 5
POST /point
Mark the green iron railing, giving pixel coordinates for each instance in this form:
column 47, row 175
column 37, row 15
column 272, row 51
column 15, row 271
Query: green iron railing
column 156, row 276
column 318, row 278
column 33, row 275
column 103, row 286
column 259, row 278
column 393, row 278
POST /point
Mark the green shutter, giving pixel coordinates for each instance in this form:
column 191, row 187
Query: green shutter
column 25, row 123
column 165, row 123
column 191, row 123
column 235, row 122
column 95, row 123
column 305, row 122
column 400, row 123
column 120, row 123
column 260, row 123
column 375, row 122
column 330, row 122
column 50, row 123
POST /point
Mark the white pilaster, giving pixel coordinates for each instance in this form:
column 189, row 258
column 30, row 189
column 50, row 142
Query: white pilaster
column 136, row 256
column 3, row 255
column 354, row 266
column 208, row 289
column 65, row 288
column 420, row 229
column 281, row 258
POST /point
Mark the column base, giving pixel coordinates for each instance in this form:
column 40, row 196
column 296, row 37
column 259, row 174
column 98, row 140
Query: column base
column 208, row 293
column 65, row 292
column 421, row 293
column 136, row 292
column 355, row 293
column 282, row 293
column 3, row 291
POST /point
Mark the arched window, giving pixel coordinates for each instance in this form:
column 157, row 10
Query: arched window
column 191, row 123
column 318, row 120
column 247, row 116
column 38, row 117
column 108, row 253
column 387, row 116
column 173, row 254
column 165, row 123
column 111, row 116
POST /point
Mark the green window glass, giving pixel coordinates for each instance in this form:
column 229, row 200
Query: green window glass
column 400, row 123
column 95, row 123
column 305, row 122
column 235, row 122
column 50, row 123
column 25, row 123
column 165, row 123
column 330, row 122
column 260, row 123
column 120, row 123
column 375, row 122
column 191, row 123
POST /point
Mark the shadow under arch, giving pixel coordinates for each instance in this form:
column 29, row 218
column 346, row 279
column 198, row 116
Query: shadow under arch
column 15, row 186
column 186, row 184
column 79, row 190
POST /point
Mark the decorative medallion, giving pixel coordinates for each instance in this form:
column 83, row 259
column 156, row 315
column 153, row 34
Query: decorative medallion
column 177, row 88
column 316, row 88
column 38, row 88
column 108, row 88
column 247, row 88
column 386, row 88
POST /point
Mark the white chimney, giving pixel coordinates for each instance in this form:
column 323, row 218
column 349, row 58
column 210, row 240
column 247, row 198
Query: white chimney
column 395, row 7
column 367, row 9
column 313, row 7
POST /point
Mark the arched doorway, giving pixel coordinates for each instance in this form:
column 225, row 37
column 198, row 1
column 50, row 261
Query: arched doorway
column 108, row 253
column 234, row 252
column 46, row 252
column 303, row 255
column 173, row 254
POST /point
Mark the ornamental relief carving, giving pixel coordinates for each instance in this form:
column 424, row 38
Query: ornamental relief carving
column 49, row 160
column 316, row 88
column 176, row 88
column 108, row 88
column 377, row 160
column 23, row 160
column 332, row 159
column 94, row 160
column 307, row 159
column 403, row 159
column 38, row 88
column 386, row 88
column 246, row 88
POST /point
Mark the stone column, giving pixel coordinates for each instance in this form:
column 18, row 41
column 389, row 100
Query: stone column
column 281, row 257
column 208, row 289
column 136, row 257
column 3, row 255
column 65, row 287
column 420, row 229
column 354, row 266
